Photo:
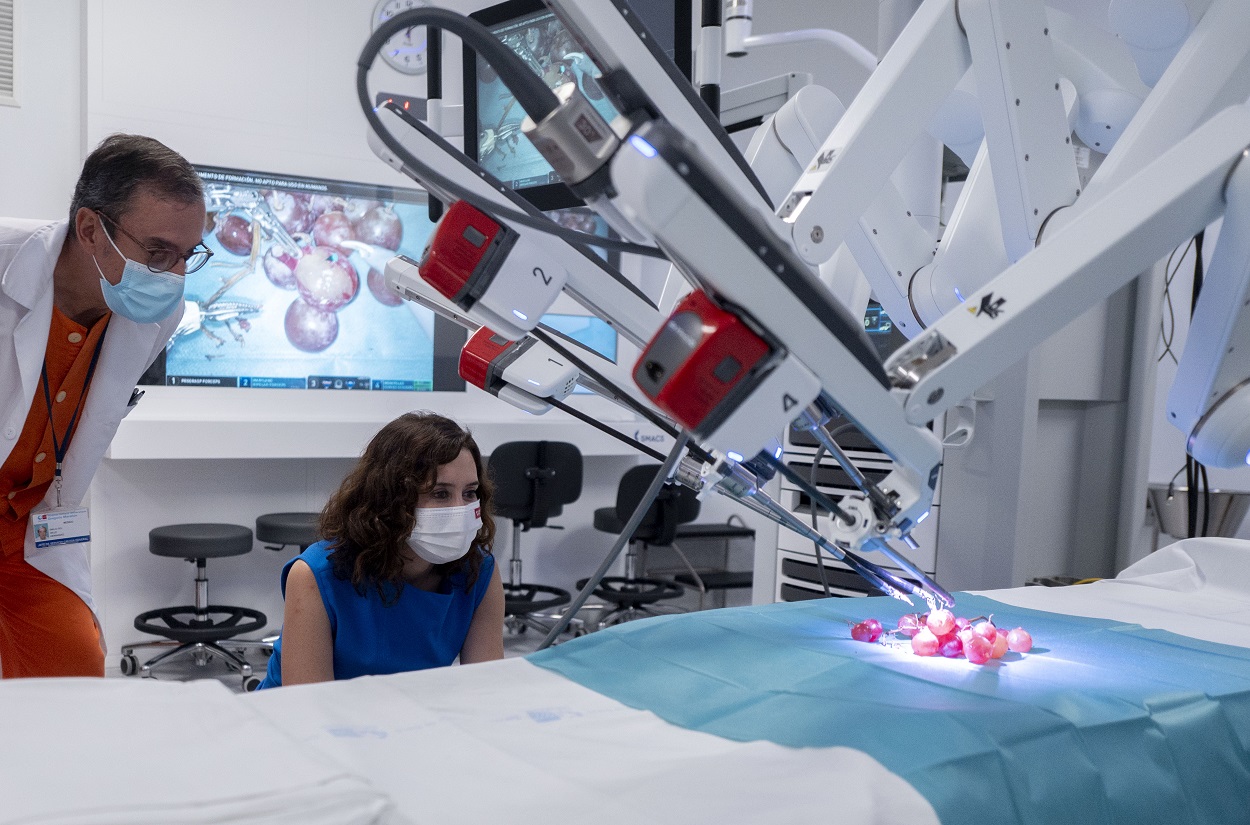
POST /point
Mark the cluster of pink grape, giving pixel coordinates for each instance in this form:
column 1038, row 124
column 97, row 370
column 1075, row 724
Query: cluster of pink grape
column 942, row 632
column 321, row 271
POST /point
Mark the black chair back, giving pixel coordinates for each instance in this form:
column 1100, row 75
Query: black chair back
column 534, row 480
column 674, row 505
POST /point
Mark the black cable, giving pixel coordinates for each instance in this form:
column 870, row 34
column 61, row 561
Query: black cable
column 1197, row 473
column 820, row 451
column 554, row 339
column 603, row 428
column 1167, row 331
column 1191, row 498
column 1197, row 288
column 820, row 552
column 816, row 496
column 471, row 32
column 1206, row 500
column 531, row 92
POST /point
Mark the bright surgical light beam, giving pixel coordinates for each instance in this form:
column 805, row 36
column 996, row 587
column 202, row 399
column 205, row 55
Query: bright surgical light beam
column 518, row 313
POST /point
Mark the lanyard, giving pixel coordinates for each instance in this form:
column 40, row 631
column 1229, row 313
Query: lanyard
column 60, row 448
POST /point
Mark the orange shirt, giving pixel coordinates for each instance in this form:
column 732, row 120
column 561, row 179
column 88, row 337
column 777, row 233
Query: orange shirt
column 28, row 471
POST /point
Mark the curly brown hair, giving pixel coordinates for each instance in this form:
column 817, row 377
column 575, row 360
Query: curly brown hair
column 368, row 520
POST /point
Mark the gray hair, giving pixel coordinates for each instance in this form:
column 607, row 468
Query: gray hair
column 122, row 164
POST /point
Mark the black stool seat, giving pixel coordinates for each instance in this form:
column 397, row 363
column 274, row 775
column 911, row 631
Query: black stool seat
column 605, row 519
column 200, row 541
column 298, row 529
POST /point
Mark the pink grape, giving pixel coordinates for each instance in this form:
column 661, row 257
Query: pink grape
column 924, row 643
column 987, row 630
column 1000, row 646
column 952, row 648
column 1019, row 641
column 234, row 233
column 861, row 632
column 977, row 649
column 941, row 622
column 961, row 622
column 376, row 282
column 874, row 627
column 309, row 328
column 909, row 624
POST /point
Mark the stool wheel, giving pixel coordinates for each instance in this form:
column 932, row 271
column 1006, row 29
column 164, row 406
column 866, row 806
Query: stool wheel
column 130, row 665
column 522, row 598
column 250, row 683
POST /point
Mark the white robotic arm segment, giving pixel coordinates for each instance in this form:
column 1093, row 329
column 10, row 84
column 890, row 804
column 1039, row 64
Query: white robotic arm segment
column 1210, row 396
column 501, row 278
column 880, row 126
column 641, row 78
column 1153, row 32
column 972, row 248
column 404, row 279
column 1210, row 72
column 590, row 281
column 786, row 142
column 1022, row 108
column 523, row 373
column 750, row 273
column 1118, row 237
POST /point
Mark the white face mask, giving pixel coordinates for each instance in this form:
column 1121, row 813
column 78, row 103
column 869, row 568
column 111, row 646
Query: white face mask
column 444, row 534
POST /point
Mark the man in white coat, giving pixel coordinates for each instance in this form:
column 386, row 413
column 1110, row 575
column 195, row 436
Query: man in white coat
column 86, row 305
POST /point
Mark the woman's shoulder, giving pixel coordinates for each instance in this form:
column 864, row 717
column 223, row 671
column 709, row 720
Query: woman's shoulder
column 316, row 556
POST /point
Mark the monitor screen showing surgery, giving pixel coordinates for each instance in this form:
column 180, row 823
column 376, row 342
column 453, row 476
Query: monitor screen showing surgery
column 548, row 48
column 294, row 297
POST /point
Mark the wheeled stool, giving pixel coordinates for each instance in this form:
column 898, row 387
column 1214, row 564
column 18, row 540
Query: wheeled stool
column 197, row 629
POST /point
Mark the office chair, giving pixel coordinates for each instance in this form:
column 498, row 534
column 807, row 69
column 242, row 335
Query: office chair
column 635, row 596
column 533, row 481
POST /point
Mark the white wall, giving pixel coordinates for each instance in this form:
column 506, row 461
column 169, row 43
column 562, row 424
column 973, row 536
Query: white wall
column 41, row 139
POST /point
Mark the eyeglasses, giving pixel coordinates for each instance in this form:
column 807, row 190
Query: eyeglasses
column 163, row 258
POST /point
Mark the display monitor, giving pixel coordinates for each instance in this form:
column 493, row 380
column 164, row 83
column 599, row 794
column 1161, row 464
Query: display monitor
column 493, row 116
column 294, row 297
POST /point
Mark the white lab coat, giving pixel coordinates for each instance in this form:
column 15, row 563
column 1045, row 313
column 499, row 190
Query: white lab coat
column 28, row 252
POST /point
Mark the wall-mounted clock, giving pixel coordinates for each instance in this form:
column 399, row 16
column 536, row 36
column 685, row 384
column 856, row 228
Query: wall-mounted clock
column 406, row 50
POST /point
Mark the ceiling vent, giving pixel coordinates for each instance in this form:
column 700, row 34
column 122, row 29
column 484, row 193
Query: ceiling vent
column 8, row 86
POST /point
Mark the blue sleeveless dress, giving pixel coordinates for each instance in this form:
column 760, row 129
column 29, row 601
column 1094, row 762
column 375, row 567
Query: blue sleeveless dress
column 420, row 630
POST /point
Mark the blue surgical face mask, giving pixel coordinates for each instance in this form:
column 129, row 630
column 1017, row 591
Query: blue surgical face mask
column 141, row 295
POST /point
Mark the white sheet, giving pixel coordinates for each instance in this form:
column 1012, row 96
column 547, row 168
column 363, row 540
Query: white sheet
column 509, row 741
column 1197, row 587
column 93, row 751
column 499, row 742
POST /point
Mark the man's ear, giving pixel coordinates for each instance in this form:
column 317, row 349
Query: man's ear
column 87, row 228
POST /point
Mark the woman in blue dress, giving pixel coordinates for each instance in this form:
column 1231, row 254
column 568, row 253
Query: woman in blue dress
column 404, row 578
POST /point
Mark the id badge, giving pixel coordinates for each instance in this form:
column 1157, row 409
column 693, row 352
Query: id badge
column 63, row 525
